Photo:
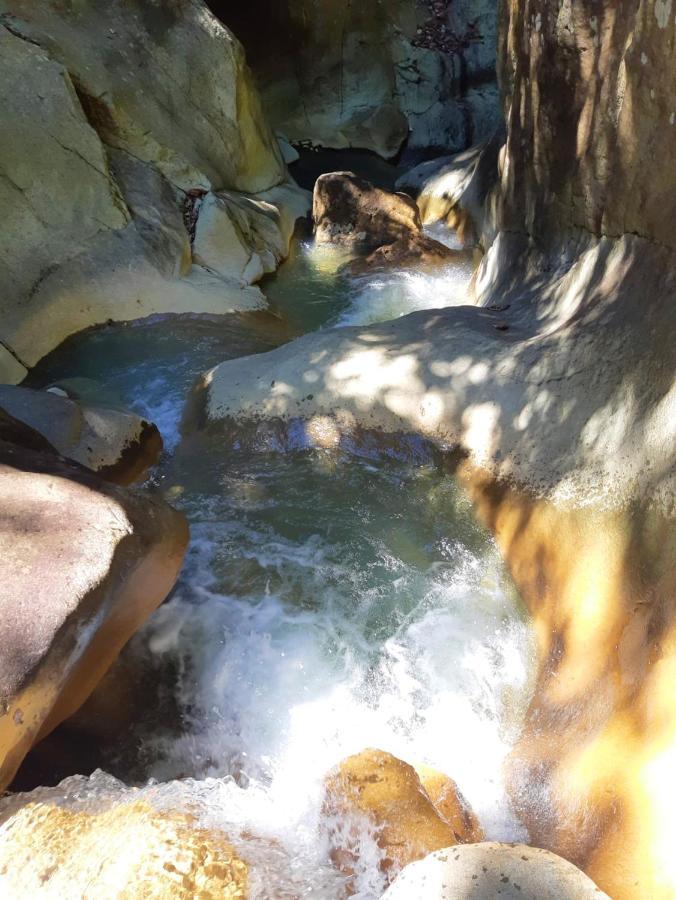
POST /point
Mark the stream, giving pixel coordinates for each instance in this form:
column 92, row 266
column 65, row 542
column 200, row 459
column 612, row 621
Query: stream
column 328, row 602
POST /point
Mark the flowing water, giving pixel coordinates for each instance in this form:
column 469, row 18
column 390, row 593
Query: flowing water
column 328, row 603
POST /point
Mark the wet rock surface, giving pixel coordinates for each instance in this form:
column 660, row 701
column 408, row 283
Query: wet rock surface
column 389, row 795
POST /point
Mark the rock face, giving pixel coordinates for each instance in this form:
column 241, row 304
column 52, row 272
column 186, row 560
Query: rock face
column 367, row 75
column 130, row 850
column 590, row 118
column 117, row 115
column 349, row 210
column 117, row 444
column 388, row 793
column 165, row 82
column 509, row 871
column 460, row 190
column 83, row 565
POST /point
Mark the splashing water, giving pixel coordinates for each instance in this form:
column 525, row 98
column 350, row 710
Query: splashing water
column 327, row 605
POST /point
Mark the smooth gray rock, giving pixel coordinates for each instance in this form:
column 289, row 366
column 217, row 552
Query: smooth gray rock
column 491, row 871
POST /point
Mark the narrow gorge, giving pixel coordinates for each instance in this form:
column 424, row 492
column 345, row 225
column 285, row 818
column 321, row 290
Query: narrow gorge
column 338, row 449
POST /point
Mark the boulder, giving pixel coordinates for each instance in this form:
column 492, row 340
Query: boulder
column 350, row 211
column 509, row 871
column 248, row 237
column 83, row 564
column 128, row 850
column 417, row 251
column 388, row 793
column 116, row 443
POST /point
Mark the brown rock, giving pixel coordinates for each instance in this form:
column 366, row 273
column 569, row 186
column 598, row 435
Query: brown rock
column 128, row 851
column 82, row 565
column 388, row 792
column 450, row 803
column 349, row 210
column 415, row 251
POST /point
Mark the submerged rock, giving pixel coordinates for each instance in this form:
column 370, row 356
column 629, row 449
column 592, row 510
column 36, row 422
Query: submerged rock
column 482, row 871
column 388, row 794
column 414, row 252
column 349, row 210
column 116, row 443
column 129, row 850
column 82, row 563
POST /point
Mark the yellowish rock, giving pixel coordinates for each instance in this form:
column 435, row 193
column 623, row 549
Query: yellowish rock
column 388, row 792
column 449, row 802
column 127, row 852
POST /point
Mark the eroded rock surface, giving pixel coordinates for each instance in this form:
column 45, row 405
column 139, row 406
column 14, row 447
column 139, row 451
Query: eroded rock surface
column 510, row 871
column 367, row 75
column 117, row 115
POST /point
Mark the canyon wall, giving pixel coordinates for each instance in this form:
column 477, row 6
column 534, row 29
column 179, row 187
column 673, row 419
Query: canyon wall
column 373, row 75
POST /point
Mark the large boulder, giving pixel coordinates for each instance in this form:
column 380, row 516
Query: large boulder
column 508, row 871
column 126, row 849
column 116, row 443
column 350, row 211
column 417, row 251
column 388, row 794
column 168, row 83
column 83, row 564
column 115, row 115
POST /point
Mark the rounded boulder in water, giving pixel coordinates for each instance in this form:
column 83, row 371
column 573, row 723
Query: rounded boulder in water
column 387, row 792
column 508, row 871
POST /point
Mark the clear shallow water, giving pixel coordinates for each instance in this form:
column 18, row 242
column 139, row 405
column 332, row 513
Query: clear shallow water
column 327, row 604
column 309, row 291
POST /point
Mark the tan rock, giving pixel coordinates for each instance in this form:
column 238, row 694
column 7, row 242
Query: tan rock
column 349, row 210
column 388, row 793
column 82, row 564
column 449, row 802
column 129, row 851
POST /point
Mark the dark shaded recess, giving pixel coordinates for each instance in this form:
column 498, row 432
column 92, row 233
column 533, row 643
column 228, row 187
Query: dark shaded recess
column 264, row 27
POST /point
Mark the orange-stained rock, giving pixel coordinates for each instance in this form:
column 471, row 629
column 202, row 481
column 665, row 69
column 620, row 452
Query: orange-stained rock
column 387, row 791
column 449, row 802
column 130, row 851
